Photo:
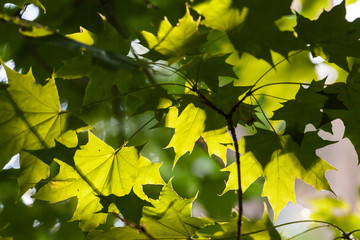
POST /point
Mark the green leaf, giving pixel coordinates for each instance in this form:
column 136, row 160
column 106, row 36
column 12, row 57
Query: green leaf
column 176, row 42
column 220, row 14
column 218, row 141
column 30, row 116
column 250, row 171
column 281, row 162
column 170, row 218
column 348, row 95
column 280, row 174
column 259, row 34
column 108, row 40
column 305, row 109
column 99, row 170
column 130, row 206
column 331, row 36
column 32, row 170
column 189, row 126
column 100, row 79
column 209, row 70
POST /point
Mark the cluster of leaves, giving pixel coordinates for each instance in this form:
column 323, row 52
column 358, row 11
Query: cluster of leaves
column 91, row 129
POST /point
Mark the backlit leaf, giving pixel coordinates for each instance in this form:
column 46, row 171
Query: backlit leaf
column 99, row 170
column 32, row 170
column 218, row 141
column 30, row 116
column 189, row 126
column 170, row 218
column 220, row 14
column 176, row 42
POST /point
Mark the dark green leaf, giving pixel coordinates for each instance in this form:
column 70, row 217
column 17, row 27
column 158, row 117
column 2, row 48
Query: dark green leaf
column 331, row 35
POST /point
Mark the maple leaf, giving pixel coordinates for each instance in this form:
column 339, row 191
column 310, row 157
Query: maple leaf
column 176, row 42
column 30, row 116
column 220, row 14
column 99, row 170
column 347, row 94
column 331, row 36
column 170, row 218
column 209, row 70
column 305, row 109
column 32, row 170
column 108, row 40
column 258, row 34
column 250, row 171
column 189, row 126
column 218, row 141
column 281, row 164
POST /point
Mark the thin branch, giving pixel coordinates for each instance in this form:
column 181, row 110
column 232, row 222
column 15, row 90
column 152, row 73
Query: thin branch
column 271, row 96
column 175, row 71
column 134, row 225
column 240, row 192
column 210, row 104
column 130, row 92
column 273, row 67
column 280, row 83
column 306, row 231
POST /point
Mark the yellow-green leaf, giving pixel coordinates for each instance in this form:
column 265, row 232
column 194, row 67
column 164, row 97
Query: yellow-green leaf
column 218, row 141
column 220, row 15
column 30, row 116
column 176, row 42
column 250, row 171
column 170, row 218
column 188, row 128
column 100, row 170
column 32, row 170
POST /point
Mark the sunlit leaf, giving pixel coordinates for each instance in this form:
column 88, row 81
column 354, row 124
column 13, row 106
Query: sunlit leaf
column 170, row 218
column 218, row 141
column 32, row 170
column 176, row 42
column 99, row 170
column 31, row 118
column 250, row 171
column 189, row 126
column 220, row 14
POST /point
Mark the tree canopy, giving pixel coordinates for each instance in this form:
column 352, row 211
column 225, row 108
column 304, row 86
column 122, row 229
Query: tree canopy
column 151, row 119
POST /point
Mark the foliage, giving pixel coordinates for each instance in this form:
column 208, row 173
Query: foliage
column 139, row 117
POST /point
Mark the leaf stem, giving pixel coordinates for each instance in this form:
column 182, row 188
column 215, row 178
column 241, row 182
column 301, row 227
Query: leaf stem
column 134, row 134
